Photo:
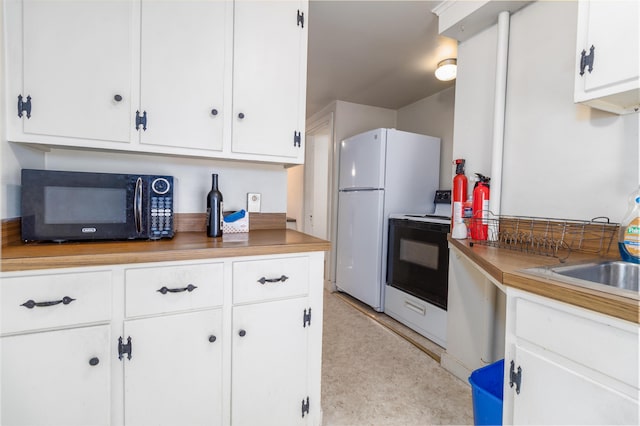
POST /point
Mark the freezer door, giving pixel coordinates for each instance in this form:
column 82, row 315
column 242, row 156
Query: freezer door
column 362, row 160
column 359, row 247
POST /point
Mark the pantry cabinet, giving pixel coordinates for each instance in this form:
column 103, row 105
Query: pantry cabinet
column 226, row 341
column 608, row 55
column 582, row 367
column 219, row 79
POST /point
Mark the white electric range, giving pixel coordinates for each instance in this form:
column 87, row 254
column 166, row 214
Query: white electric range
column 418, row 269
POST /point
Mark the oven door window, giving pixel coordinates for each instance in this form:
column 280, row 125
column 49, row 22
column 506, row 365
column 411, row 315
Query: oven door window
column 419, row 253
column 418, row 261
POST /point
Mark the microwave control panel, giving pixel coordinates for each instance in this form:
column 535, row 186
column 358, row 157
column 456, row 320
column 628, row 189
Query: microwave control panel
column 161, row 208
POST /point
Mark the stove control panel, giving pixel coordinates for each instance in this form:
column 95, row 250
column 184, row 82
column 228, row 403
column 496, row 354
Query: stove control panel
column 443, row 196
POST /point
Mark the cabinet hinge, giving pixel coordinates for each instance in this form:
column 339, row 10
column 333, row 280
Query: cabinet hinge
column 586, row 60
column 300, row 19
column 297, row 139
column 124, row 349
column 305, row 407
column 24, row 106
column 515, row 377
column 306, row 318
column 141, row 120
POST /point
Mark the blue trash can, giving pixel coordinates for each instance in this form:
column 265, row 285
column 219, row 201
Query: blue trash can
column 486, row 390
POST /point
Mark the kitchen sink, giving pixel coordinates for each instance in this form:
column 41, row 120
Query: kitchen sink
column 617, row 274
column 620, row 277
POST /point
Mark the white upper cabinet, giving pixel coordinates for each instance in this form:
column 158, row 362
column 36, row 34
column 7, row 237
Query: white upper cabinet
column 608, row 55
column 182, row 72
column 70, row 63
column 269, row 76
column 170, row 77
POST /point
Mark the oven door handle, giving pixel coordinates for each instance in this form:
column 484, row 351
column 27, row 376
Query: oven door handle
column 137, row 205
column 416, row 308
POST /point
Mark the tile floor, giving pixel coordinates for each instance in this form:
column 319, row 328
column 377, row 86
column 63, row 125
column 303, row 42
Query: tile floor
column 371, row 375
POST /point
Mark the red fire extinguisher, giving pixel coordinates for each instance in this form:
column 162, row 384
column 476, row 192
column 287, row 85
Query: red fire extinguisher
column 459, row 192
column 480, row 208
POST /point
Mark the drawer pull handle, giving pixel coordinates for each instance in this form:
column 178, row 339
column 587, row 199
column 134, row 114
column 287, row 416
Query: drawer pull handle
column 416, row 308
column 212, row 338
column 242, row 333
column 31, row 304
column 273, row 280
column 189, row 288
column 94, row 361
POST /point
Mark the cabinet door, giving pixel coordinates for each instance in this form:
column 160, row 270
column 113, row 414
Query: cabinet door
column 183, row 46
column 567, row 396
column 57, row 378
column 612, row 28
column 77, row 58
column 269, row 371
column 269, row 78
column 174, row 374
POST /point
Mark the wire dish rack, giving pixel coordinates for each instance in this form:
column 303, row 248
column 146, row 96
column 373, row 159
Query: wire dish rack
column 548, row 236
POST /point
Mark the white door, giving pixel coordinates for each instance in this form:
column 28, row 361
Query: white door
column 58, row 378
column 77, row 59
column 269, row 77
column 359, row 245
column 174, row 376
column 567, row 396
column 362, row 160
column 316, row 181
column 269, row 371
column 182, row 65
column 609, row 24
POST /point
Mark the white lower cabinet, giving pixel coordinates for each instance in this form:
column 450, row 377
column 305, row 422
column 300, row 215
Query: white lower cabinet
column 269, row 371
column 230, row 341
column 273, row 326
column 55, row 348
column 567, row 365
column 174, row 375
column 60, row 377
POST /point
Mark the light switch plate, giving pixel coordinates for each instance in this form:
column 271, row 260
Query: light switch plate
column 253, row 202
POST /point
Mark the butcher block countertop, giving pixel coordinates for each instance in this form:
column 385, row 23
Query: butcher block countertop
column 505, row 266
column 184, row 246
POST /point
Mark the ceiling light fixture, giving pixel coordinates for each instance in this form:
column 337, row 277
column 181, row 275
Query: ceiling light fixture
column 447, row 69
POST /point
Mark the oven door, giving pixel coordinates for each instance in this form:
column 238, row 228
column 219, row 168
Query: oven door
column 418, row 260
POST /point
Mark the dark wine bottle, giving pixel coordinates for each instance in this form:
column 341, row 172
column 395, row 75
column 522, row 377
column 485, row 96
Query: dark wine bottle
column 214, row 209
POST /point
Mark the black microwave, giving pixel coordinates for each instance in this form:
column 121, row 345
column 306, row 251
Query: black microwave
column 74, row 206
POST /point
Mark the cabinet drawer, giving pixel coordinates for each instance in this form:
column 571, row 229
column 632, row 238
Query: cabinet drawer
column 609, row 346
column 258, row 280
column 156, row 290
column 49, row 301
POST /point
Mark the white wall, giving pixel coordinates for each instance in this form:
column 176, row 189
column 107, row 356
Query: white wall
column 560, row 159
column 433, row 116
column 295, row 194
column 192, row 175
column 475, row 82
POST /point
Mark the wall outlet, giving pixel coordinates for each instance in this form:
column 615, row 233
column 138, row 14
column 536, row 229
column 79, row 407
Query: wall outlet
column 253, row 202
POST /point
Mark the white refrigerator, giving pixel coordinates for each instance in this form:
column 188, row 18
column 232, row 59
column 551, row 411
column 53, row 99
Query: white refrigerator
column 382, row 171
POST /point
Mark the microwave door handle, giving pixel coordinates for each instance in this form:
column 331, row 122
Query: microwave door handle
column 137, row 205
